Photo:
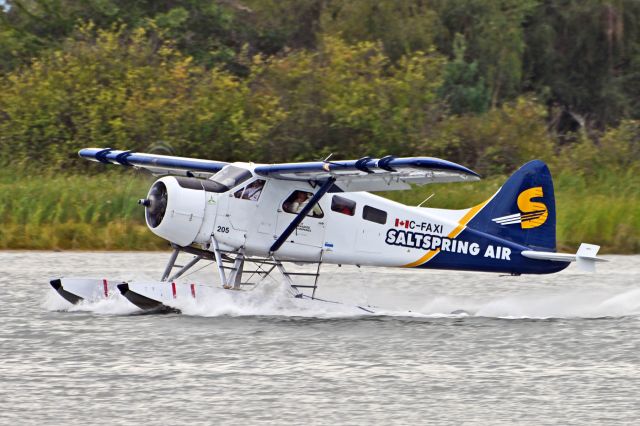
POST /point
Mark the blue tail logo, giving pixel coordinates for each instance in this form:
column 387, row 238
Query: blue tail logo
column 532, row 214
column 523, row 210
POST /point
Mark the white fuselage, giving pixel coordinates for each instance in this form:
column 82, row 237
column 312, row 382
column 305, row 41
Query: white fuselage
column 356, row 228
column 342, row 237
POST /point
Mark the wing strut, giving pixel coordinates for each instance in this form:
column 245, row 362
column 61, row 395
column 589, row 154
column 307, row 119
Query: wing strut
column 303, row 213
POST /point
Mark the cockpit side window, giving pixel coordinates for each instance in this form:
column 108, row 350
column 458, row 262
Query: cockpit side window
column 252, row 191
column 231, row 176
column 298, row 200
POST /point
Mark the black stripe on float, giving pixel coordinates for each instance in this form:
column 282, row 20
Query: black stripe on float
column 69, row 297
column 145, row 303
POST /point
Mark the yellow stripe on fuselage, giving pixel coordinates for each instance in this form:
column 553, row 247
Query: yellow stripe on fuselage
column 462, row 223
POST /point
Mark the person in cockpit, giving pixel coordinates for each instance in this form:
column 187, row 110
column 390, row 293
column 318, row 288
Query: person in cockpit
column 253, row 190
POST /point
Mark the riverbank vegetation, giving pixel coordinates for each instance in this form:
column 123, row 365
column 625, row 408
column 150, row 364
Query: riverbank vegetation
column 489, row 85
column 100, row 212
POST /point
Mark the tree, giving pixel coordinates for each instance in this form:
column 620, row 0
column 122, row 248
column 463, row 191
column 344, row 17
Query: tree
column 204, row 30
column 352, row 100
column 585, row 57
column 403, row 26
column 129, row 90
column 463, row 87
column 494, row 33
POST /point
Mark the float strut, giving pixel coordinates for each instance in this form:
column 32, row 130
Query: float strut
column 172, row 261
column 185, row 268
column 220, row 266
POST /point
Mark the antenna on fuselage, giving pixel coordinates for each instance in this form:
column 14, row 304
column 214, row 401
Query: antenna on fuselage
column 426, row 199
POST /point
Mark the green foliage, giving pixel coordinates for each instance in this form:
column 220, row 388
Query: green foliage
column 73, row 212
column 269, row 26
column 128, row 90
column 350, row 99
column 494, row 31
column 488, row 84
column 403, row 26
column 54, row 211
column 497, row 142
column 617, row 149
column 204, row 30
column 600, row 206
column 585, row 56
column 463, row 87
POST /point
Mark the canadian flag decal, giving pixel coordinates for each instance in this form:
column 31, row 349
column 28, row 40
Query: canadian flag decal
column 401, row 223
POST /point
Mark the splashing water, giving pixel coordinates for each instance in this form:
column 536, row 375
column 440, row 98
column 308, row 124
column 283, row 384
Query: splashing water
column 274, row 299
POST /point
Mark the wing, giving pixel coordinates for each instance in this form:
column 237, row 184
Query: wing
column 367, row 174
column 156, row 164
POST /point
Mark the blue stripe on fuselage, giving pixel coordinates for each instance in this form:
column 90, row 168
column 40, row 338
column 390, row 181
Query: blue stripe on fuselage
column 511, row 263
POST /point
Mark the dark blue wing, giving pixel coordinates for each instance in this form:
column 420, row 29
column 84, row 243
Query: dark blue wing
column 156, row 164
column 366, row 174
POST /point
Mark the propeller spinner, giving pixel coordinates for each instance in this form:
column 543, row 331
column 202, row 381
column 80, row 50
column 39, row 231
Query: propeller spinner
column 155, row 204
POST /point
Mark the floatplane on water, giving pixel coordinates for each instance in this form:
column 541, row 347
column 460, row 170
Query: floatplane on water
column 253, row 220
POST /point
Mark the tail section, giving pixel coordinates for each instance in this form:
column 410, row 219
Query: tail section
column 523, row 210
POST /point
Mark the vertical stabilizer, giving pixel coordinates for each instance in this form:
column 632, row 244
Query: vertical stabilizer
column 523, row 210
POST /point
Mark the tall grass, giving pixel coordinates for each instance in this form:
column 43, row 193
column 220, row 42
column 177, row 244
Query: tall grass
column 74, row 212
column 603, row 209
column 100, row 212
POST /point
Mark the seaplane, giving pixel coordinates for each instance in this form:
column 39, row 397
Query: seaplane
column 253, row 220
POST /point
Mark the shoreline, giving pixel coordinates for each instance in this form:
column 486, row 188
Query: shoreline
column 35, row 251
column 90, row 213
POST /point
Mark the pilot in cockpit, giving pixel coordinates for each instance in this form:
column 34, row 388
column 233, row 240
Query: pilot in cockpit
column 253, row 190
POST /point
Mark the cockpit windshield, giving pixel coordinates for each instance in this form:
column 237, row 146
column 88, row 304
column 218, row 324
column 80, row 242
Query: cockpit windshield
column 231, row 176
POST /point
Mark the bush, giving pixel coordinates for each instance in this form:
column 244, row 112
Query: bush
column 127, row 90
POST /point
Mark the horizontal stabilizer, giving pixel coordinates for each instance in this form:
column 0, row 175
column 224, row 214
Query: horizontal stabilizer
column 585, row 258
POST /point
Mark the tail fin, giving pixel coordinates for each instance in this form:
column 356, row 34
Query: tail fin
column 523, row 210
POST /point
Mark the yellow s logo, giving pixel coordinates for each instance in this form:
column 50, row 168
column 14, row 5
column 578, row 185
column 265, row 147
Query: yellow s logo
column 533, row 214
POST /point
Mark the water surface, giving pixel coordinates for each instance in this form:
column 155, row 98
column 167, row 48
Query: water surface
column 559, row 349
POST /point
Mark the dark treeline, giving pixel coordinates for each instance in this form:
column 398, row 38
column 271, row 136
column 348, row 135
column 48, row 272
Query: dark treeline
column 489, row 84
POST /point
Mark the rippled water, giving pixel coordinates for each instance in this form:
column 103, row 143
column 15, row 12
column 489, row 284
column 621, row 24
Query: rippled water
column 560, row 349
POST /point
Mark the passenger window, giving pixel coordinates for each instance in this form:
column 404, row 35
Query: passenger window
column 374, row 215
column 343, row 205
column 298, row 200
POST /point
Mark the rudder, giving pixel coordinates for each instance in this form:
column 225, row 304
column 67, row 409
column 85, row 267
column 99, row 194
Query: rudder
column 523, row 210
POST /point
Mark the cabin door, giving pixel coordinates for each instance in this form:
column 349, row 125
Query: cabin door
column 243, row 204
column 311, row 230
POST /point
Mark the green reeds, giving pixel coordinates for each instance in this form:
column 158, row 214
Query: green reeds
column 603, row 208
column 74, row 212
column 100, row 212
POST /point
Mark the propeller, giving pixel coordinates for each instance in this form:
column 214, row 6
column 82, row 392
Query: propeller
column 156, row 204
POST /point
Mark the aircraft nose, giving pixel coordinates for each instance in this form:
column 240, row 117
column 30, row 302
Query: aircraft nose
column 157, row 204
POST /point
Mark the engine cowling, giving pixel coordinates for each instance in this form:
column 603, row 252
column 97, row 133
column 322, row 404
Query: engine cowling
column 176, row 209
